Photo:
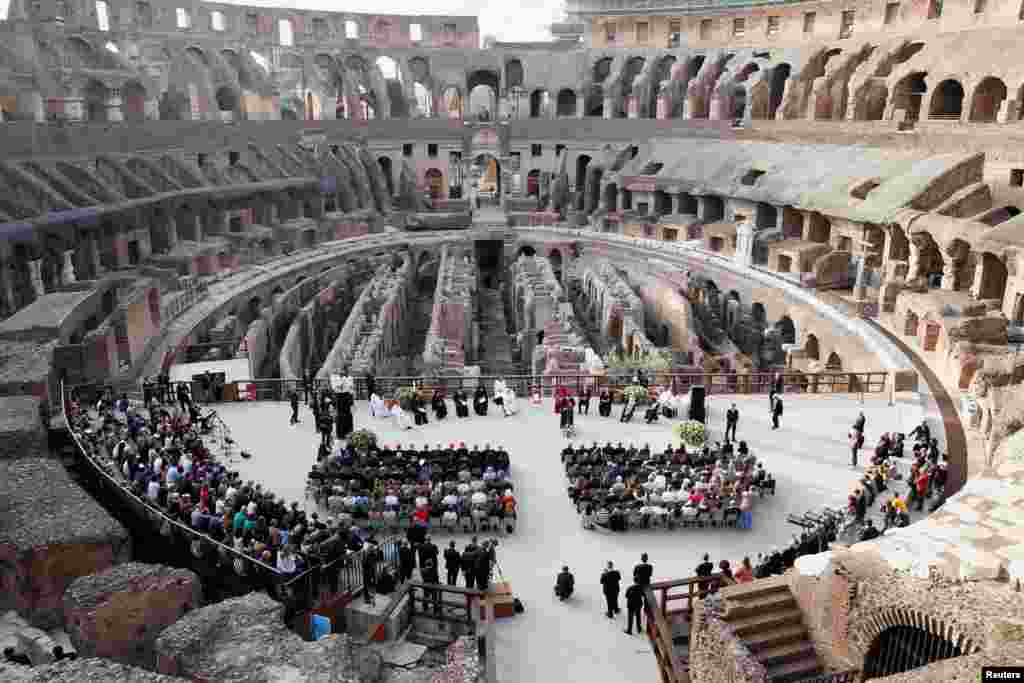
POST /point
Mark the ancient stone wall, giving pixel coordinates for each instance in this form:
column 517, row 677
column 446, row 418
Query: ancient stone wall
column 717, row 655
column 119, row 613
column 451, row 321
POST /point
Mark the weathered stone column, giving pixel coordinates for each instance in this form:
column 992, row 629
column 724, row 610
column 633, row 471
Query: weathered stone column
column 744, row 255
column 35, row 275
column 581, row 106
column 950, row 274
column 67, row 273
column 609, row 107
column 7, row 287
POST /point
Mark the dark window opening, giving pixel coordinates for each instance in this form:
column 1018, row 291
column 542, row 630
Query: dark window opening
column 535, row 150
column 1017, row 177
column 633, row 151
column 233, row 158
column 652, row 168
column 432, row 150
column 751, row 176
column 407, row 150
column 862, row 190
column 559, row 149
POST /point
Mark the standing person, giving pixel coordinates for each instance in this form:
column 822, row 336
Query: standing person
column 732, row 418
column 369, row 569
column 371, row 385
column 704, row 571
column 856, row 442
column 428, row 572
column 634, row 602
column 610, row 580
column 452, row 562
column 468, row 563
column 406, row 561
column 859, row 423
column 584, row 407
column 776, row 412
column 344, row 420
column 642, row 572
column 461, row 403
column 293, row 398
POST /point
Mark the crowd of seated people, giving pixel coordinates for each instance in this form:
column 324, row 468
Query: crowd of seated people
column 160, row 455
column 617, row 488
column 394, row 488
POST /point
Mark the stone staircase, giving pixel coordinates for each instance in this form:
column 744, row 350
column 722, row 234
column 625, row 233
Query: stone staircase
column 680, row 624
column 765, row 615
column 494, row 338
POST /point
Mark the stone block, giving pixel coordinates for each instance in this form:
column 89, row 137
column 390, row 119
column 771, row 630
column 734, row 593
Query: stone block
column 81, row 671
column 119, row 613
column 51, row 532
column 246, row 639
column 21, row 429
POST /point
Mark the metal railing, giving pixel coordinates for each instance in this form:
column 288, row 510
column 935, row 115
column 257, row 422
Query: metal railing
column 300, row 591
column 680, row 381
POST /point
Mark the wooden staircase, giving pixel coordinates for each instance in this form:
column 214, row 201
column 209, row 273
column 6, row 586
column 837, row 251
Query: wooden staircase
column 765, row 615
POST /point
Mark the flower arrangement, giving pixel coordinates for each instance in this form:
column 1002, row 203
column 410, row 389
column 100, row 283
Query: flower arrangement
column 405, row 396
column 362, row 439
column 636, row 393
column 692, row 433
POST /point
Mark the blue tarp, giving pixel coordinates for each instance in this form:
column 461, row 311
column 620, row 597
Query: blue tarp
column 84, row 216
column 321, row 626
column 329, row 184
column 16, row 231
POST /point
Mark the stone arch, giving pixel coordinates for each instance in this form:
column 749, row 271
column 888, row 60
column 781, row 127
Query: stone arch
column 133, row 102
column 434, row 179
column 451, row 103
column 526, row 250
column 812, row 348
column 786, row 330
column 834, row 362
column 947, row 101
column 899, row 56
column 758, row 313
column 611, row 197
column 394, row 85
column 533, row 183
column 779, row 75
column 483, row 78
column 819, row 229
column 987, row 99
column 566, row 103
column 540, row 104
column 869, row 104
column 95, row 95
column 899, row 245
column 662, row 73
column 993, row 277
column 227, row 100
column 662, row 203
column 953, row 642
column 908, row 94
column 514, row 73
column 582, row 163
column 386, row 169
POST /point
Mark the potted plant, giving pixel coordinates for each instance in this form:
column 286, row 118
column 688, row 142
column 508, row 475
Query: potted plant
column 692, row 433
column 362, row 440
column 405, row 397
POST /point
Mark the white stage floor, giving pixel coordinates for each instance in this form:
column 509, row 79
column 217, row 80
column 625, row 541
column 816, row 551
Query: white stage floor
column 553, row 641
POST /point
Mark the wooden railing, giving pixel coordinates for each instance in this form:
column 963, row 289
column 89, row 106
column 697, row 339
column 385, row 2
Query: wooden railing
column 430, row 600
column 658, row 619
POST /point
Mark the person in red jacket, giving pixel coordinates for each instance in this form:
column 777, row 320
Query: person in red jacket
column 923, row 480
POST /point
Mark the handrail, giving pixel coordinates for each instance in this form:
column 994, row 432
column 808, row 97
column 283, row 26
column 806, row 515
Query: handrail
column 660, row 634
column 409, row 588
column 396, row 600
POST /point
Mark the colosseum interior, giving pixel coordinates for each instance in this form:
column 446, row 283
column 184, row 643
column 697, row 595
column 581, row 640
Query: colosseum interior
column 825, row 190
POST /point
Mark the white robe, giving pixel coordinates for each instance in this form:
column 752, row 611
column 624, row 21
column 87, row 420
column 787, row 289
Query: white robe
column 377, row 408
column 511, row 403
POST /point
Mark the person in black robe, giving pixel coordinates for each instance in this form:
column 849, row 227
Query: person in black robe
column 461, row 403
column 438, row 404
column 604, row 404
column 371, row 385
column 566, row 413
column 344, row 417
column 419, row 411
column 480, row 400
column 584, row 404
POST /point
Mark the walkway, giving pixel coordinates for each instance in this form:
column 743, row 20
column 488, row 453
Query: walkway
column 574, row 642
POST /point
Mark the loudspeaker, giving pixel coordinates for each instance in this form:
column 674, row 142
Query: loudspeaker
column 698, row 411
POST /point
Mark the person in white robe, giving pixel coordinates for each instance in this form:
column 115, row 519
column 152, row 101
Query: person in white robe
column 377, row 407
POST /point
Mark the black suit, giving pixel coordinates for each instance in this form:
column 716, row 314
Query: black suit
column 610, row 581
column 776, row 413
column 732, row 418
column 452, row 562
column 634, row 603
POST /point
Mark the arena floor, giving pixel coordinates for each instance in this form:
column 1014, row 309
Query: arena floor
column 552, row 641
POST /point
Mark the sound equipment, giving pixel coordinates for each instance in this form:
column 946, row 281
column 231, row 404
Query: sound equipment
column 698, row 411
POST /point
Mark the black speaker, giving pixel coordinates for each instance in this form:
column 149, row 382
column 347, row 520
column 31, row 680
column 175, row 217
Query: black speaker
column 698, row 411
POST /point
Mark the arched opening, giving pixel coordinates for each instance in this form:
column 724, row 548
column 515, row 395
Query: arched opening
column 780, row 74
column 687, row 204
column 757, row 312
column 393, row 85
column 988, row 98
column 451, row 103
column 533, row 183
column 634, row 66
column 662, row 203
column 386, row 169
column 566, row 104
column 947, row 101
column 819, row 229
column 424, row 101
column 594, row 105
column 786, row 330
column 611, row 197
column 908, row 95
column 582, row 162
column 526, row 250
column 993, row 277
column 540, row 104
column 435, row 183
column 486, row 176
column 227, row 102
column 555, row 257
column 834, row 363
column 514, row 73
column 870, row 104
column 766, row 216
column 811, row 347
column 662, row 74
column 730, row 307
column 483, row 87
column 95, row 95
column 133, row 102
column 903, row 648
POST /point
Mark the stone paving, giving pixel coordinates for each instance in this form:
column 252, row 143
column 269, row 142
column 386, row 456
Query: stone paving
column 552, row 641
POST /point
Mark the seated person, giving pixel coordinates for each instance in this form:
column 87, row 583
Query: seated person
column 564, row 584
column 651, row 414
column 386, row 583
